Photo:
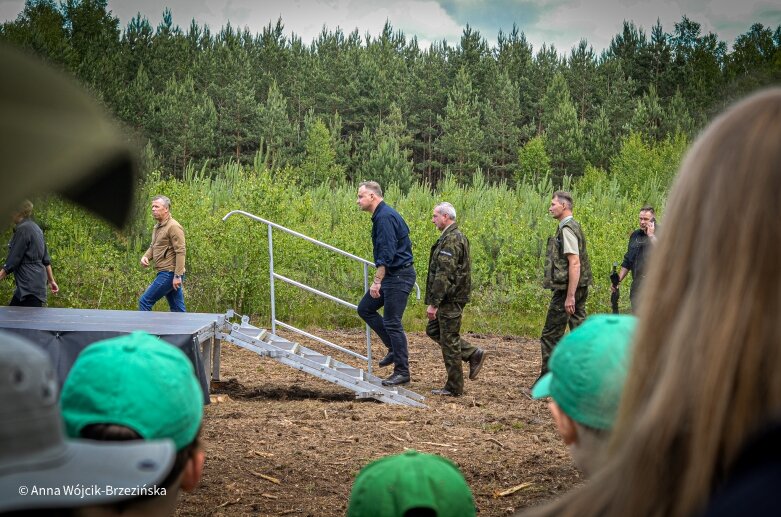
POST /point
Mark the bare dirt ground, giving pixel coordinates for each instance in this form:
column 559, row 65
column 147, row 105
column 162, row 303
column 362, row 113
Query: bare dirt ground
column 280, row 442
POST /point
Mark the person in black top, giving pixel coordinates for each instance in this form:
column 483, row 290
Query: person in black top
column 28, row 260
column 393, row 280
column 640, row 243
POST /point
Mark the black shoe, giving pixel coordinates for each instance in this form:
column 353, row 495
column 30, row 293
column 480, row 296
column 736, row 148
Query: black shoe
column 476, row 361
column 387, row 360
column 445, row 393
column 396, row 379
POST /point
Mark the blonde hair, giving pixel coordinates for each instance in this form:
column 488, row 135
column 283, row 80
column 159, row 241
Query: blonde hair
column 704, row 373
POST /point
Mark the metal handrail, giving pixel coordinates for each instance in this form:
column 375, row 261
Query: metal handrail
column 299, row 235
column 272, row 276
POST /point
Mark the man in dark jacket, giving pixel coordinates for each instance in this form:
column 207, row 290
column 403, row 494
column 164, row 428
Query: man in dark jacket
column 28, row 260
column 448, row 286
column 393, row 280
column 640, row 243
column 567, row 275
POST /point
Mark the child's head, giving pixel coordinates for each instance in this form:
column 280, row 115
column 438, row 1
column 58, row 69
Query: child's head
column 411, row 484
column 138, row 387
column 585, row 379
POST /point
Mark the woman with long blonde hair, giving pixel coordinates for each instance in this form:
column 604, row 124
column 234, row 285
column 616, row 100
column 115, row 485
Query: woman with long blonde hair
column 706, row 368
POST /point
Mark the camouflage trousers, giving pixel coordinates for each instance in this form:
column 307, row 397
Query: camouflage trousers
column 455, row 350
column 557, row 320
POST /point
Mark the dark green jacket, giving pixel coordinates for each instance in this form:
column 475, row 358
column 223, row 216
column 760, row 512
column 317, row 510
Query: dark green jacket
column 556, row 263
column 449, row 269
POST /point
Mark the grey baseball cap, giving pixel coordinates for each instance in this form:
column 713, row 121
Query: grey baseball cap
column 54, row 137
column 39, row 467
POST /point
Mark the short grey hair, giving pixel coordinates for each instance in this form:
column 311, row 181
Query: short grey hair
column 373, row 186
column 166, row 201
column 447, row 209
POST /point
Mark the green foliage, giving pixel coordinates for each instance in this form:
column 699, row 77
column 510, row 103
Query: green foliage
column 462, row 136
column 533, row 161
column 276, row 129
column 185, row 120
column 277, row 126
column 319, row 165
column 227, row 262
column 564, row 142
column 645, row 171
column 451, row 108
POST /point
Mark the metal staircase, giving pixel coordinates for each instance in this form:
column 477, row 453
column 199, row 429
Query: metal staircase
column 264, row 343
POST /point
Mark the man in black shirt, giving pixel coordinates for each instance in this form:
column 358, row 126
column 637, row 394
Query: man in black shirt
column 393, row 280
column 28, row 259
column 640, row 243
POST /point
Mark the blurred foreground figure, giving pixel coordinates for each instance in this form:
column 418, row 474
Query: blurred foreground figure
column 411, row 484
column 704, row 387
column 133, row 388
column 585, row 379
column 39, row 467
column 54, row 137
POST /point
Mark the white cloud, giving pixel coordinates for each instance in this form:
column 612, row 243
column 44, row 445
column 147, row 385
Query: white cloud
column 560, row 22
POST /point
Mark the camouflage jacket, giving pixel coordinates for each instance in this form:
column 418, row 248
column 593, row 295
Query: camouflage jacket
column 556, row 263
column 449, row 269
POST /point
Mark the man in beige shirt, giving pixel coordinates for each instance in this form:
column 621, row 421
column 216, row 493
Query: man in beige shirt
column 168, row 253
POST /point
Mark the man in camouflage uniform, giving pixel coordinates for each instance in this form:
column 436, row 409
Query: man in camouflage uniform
column 447, row 291
column 567, row 275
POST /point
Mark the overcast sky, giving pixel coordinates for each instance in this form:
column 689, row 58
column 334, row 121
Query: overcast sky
column 559, row 22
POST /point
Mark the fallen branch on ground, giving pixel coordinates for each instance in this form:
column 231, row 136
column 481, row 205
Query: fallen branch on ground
column 264, row 476
column 514, row 489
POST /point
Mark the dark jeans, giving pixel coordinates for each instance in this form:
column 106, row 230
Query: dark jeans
column 557, row 320
column 27, row 301
column 163, row 286
column 394, row 293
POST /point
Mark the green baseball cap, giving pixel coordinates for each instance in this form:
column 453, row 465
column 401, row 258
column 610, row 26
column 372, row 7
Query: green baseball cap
column 138, row 381
column 587, row 370
column 393, row 485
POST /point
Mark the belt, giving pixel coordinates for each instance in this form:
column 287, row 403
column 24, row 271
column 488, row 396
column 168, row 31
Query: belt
column 400, row 268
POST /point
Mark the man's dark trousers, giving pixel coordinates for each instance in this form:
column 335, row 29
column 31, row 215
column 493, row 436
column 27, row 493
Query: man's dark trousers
column 557, row 320
column 394, row 293
column 445, row 330
column 27, row 301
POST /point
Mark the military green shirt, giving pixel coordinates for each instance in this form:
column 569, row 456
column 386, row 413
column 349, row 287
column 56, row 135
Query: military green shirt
column 449, row 269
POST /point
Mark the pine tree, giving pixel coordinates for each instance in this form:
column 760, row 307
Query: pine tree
column 184, row 124
column 276, row 129
column 462, row 139
column 648, row 119
column 319, row 165
column 556, row 94
column 533, row 161
column 233, row 93
column 601, row 144
column 426, row 99
column 564, row 142
column 581, row 77
column 502, row 132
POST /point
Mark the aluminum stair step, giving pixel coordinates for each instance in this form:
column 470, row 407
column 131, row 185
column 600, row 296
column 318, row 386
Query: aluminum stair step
column 325, row 367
